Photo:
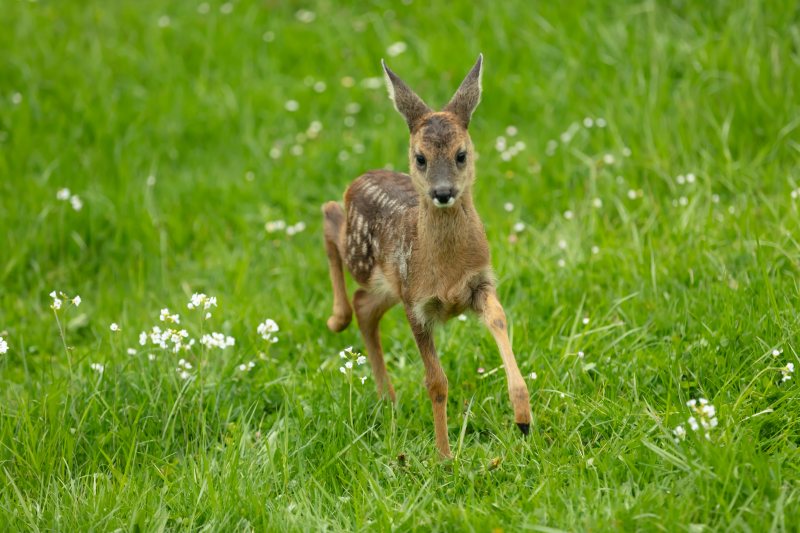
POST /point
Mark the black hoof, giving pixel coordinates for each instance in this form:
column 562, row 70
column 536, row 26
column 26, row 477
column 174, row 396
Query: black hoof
column 524, row 428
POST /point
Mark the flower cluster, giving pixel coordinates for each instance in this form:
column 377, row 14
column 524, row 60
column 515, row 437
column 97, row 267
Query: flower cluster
column 246, row 367
column 167, row 317
column 267, row 330
column 217, row 340
column 787, row 372
column 59, row 298
column 169, row 339
column 66, row 196
column 183, row 369
column 504, row 146
column 97, row 367
column 199, row 300
column 280, row 225
column 351, row 360
column 704, row 416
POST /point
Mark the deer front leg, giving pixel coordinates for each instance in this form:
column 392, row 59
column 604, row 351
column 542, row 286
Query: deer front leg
column 370, row 307
column 495, row 319
column 435, row 381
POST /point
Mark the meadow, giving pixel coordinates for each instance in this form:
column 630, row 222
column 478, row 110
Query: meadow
column 639, row 183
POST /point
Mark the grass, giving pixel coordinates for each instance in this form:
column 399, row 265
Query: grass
column 692, row 287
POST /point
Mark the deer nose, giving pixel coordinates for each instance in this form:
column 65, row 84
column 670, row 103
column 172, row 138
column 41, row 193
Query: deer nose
column 443, row 196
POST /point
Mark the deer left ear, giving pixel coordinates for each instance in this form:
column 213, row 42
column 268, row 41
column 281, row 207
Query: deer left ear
column 468, row 95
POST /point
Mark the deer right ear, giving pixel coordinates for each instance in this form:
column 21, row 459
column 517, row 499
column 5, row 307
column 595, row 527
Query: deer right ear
column 405, row 100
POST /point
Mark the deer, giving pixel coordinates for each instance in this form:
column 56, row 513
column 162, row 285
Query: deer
column 417, row 239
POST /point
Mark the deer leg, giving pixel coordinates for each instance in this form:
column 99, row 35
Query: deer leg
column 370, row 307
column 495, row 319
column 334, row 232
column 435, row 381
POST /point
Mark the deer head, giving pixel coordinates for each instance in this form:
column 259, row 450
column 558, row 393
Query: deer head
column 441, row 155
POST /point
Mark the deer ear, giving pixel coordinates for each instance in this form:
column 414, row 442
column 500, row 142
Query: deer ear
column 468, row 95
column 405, row 100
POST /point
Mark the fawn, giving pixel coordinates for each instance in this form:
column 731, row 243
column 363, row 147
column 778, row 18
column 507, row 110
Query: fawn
column 416, row 239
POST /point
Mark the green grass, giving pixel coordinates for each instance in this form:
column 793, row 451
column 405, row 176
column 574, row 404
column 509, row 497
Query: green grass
column 693, row 286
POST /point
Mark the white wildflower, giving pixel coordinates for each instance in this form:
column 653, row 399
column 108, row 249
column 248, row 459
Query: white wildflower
column 372, row 83
column 569, row 215
column 395, row 49
column 63, row 194
column 519, row 227
column 97, row 367
column 508, row 206
column 361, row 360
column 131, row 351
column 462, row 317
column 267, row 330
column 787, row 371
column 76, row 202
column 679, row 433
column 291, row 106
column 511, row 131
column 164, row 21
column 199, row 300
column 608, row 159
column 226, row 8
column 588, row 122
column 167, row 317
column 114, row 327
column 3, row 346
column 76, row 301
column 217, row 340
column 305, row 16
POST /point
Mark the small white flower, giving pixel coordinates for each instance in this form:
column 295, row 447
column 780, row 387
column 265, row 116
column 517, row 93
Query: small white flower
column 268, row 36
column 114, row 327
column 97, row 367
column 693, row 423
column 608, row 159
column 143, row 338
column 562, row 244
column 3, row 346
column 342, row 370
column 600, row 122
column 226, row 8
column 631, row 194
column 626, row 152
column 581, row 355
column 76, row 202
column 16, row 98
column 511, row 131
column 348, row 364
column 680, row 180
column 164, row 21
column 395, row 49
column 305, row 16
column 63, row 194
column 588, row 122
column 361, row 360
column 363, row 379
column 508, row 206
column 786, row 372
column 131, row 351
column 569, row 215
column 151, row 181
column 776, row 352
column 151, row 357
column 680, row 433
column 690, row 178
column 595, row 250
column 372, row 83
column 76, row 301
column 203, row 8
column 597, row 203
column 561, row 263
column 291, row 106
column 585, row 320
column 462, row 317
column 534, row 375
column 242, row 367
column 519, row 227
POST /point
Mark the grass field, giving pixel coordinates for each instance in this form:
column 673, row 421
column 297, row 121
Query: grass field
column 648, row 256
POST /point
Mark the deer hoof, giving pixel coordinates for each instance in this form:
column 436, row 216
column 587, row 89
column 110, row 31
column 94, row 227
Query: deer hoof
column 524, row 428
column 338, row 323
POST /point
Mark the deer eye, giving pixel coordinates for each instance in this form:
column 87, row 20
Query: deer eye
column 421, row 161
column 461, row 158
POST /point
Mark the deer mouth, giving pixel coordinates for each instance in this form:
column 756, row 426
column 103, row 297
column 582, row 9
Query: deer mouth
column 450, row 201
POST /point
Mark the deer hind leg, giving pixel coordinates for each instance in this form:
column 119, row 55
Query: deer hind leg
column 334, row 233
column 370, row 307
column 435, row 382
column 495, row 319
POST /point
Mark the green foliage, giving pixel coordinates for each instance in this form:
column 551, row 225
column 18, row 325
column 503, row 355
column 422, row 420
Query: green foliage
column 689, row 284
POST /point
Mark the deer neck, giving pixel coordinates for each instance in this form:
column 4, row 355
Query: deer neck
column 447, row 232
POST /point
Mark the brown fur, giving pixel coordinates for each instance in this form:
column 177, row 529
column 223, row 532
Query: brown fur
column 401, row 248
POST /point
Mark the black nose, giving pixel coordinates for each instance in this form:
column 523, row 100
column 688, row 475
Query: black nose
column 442, row 194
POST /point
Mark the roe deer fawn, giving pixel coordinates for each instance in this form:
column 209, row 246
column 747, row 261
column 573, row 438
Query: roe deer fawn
column 417, row 239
